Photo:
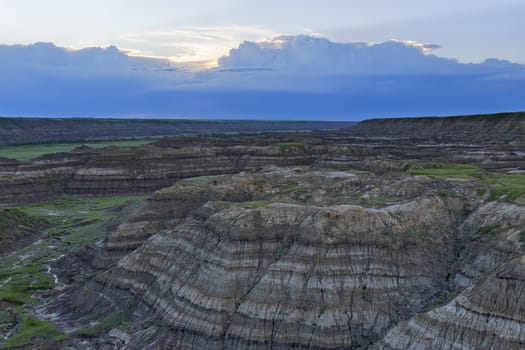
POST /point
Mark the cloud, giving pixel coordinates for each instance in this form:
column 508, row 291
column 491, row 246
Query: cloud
column 294, row 77
column 319, row 56
column 191, row 44
column 46, row 66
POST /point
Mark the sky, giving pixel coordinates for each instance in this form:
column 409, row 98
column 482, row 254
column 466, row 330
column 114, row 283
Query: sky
column 309, row 59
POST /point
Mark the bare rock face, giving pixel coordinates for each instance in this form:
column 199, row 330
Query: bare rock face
column 488, row 315
column 490, row 312
column 492, row 234
column 241, row 262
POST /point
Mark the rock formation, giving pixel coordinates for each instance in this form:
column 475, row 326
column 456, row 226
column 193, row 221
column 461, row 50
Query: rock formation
column 288, row 258
column 295, row 241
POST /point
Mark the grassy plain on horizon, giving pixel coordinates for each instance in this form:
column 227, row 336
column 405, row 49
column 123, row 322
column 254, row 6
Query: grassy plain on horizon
column 32, row 151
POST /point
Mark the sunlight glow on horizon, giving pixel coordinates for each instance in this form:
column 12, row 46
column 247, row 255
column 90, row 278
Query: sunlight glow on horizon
column 203, row 30
column 200, row 56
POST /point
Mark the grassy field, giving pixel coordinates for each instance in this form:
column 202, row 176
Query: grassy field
column 24, row 275
column 509, row 187
column 27, row 152
column 30, row 328
column 463, row 171
column 502, row 187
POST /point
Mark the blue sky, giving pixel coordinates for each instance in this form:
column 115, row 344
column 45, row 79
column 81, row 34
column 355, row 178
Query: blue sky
column 261, row 59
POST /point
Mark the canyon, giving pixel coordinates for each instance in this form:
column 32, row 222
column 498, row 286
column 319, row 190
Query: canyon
column 388, row 234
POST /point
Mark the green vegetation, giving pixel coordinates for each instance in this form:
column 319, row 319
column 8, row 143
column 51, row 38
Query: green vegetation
column 509, row 187
column 294, row 189
column 506, row 187
column 31, row 328
column 490, row 230
column 341, row 198
column 27, row 152
column 285, row 246
column 72, row 223
column 291, row 146
column 19, row 283
column 71, row 208
column 221, row 205
column 15, row 224
column 77, row 221
column 463, row 171
column 256, row 204
column 446, row 194
column 522, row 238
column 358, row 172
column 108, row 323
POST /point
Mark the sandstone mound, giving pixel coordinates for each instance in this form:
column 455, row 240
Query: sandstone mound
column 240, row 261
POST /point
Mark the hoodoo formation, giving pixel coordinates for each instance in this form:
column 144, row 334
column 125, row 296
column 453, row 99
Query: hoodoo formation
column 358, row 238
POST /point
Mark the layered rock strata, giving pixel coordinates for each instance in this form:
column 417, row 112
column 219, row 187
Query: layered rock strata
column 488, row 315
column 241, row 262
column 495, row 143
column 126, row 170
column 490, row 312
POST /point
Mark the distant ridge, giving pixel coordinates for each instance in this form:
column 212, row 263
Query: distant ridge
column 490, row 128
column 52, row 130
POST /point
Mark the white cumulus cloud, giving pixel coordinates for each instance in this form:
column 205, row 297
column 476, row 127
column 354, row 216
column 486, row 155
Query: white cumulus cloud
column 284, row 76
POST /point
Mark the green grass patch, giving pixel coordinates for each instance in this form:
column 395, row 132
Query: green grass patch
column 358, row 172
column 75, row 210
column 294, row 188
column 73, row 223
column 505, row 187
column 462, row 171
column 31, row 328
column 509, row 187
column 18, row 284
column 446, row 194
column 27, row 152
column 293, row 146
column 256, row 204
column 220, row 204
column 78, row 220
column 108, row 323
column 338, row 198
column 15, row 224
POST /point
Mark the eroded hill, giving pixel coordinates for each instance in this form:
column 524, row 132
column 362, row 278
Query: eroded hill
column 326, row 240
column 295, row 257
